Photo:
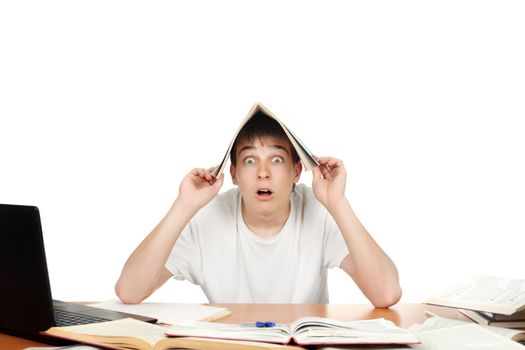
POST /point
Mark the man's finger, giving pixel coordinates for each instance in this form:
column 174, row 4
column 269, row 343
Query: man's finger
column 326, row 171
column 316, row 172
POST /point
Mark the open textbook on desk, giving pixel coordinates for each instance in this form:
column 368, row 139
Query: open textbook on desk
column 128, row 333
column 132, row 334
column 435, row 333
column 303, row 331
column 484, row 293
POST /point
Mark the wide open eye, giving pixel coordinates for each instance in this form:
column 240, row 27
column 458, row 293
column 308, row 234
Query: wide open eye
column 249, row 160
column 277, row 160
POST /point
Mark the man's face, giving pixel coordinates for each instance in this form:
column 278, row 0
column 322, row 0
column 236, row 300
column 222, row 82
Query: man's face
column 265, row 174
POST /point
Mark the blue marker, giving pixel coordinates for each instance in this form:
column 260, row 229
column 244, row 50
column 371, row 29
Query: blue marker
column 260, row 324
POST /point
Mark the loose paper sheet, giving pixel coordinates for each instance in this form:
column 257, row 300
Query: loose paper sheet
column 168, row 313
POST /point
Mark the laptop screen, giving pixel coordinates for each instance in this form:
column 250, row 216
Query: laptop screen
column 25, row 295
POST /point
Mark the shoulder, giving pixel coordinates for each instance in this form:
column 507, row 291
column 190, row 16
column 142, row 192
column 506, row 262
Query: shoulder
column 218, row 216
column 305, row 194
column 304, row 200
column 224, row 205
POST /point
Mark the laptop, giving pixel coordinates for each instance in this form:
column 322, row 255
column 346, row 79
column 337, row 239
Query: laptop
column 26, row 305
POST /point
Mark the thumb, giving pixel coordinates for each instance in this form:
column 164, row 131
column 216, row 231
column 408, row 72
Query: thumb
column 219, row 181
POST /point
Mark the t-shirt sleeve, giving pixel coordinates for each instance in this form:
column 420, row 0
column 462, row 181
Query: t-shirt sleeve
column 184, row 261
column 335, row 249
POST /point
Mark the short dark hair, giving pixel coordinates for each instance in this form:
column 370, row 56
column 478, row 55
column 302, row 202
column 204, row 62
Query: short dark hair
column 260, row 125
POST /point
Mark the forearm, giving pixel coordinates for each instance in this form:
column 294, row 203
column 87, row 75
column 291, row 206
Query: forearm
column 374, row 272
column 143, row 269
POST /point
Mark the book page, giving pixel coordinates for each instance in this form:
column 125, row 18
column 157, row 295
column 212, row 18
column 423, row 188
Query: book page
column 461, row 337
column 168, row 313
column 434, row 323
column 308, row 323
column 466, row 337
column 304, row 153
column 485, row 293
column 219, row 344
column 280, row 333
column 319, row 330
column 123, row 328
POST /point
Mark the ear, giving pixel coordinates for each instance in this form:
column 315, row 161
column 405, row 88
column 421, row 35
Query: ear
column 232, row 173
column 298, row 168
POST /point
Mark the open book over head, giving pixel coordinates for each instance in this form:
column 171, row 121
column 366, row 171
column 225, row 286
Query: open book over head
column 305, row 155
column 303, row 331
column 484, row 293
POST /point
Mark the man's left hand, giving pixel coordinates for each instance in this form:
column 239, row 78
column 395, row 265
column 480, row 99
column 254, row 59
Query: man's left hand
column 329, row 181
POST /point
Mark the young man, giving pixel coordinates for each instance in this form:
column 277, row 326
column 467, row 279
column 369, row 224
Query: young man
column 266, row 241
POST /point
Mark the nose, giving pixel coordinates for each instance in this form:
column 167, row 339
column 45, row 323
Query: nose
column 263, row 172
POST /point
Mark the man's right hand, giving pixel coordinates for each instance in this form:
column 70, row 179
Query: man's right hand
column 145, row 269
column 198, row 187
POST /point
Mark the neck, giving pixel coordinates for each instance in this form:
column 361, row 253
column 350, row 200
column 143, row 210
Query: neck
column 265, row 224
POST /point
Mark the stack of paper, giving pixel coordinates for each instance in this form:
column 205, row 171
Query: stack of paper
column 168, row 313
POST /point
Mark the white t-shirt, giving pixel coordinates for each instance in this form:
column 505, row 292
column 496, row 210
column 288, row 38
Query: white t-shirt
column 231, row 264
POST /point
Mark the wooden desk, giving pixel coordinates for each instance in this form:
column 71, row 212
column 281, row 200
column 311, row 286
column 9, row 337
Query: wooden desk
column 403, row 315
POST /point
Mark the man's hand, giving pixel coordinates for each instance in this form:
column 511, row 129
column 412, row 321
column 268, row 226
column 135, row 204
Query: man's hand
column 198, row 187
column 329, row 181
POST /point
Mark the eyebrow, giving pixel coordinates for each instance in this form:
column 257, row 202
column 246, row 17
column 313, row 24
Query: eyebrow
column 251, row 147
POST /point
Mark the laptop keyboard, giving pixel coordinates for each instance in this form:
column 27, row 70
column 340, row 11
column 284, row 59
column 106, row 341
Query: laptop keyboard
column 66, row 318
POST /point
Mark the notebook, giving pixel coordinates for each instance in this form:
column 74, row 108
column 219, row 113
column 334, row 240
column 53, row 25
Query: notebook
column 26, row 305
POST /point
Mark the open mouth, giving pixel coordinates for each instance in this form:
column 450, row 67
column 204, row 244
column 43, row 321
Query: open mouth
column 264, row 193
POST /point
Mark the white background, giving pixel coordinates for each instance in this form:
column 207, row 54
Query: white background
column 106, row 105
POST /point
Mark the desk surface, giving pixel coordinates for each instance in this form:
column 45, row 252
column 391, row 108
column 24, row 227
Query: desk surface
column 403, row 315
